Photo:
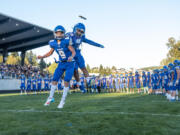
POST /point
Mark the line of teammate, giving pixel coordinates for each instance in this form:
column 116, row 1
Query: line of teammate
column 164, row 81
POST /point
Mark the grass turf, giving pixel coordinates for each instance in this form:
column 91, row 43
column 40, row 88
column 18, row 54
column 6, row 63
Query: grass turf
column 89, row 114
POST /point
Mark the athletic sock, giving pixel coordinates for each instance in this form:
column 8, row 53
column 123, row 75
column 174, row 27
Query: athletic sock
column 65, row 92
column 53, row 88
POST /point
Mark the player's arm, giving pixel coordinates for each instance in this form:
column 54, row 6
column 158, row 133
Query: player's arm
column 47, row 54
column 70, row 47
column 90, row 42
column 172, row 79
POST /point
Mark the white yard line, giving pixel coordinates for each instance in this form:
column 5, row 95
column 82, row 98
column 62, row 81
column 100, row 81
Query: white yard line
column 80, row 113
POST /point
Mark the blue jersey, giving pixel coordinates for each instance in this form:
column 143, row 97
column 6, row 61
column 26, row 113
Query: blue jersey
column 34, row 81
column 99, row 82
column 172, row 76
column 121, row 79
column 125, row 79
column 23, row 79
column 110, row 80
column 166, row 77
column 61, row 48
column 46, row 81
column 104, row 81
column 144, row 78
column 155, row 78
column 137, row 78
column 76, row 41
column 161, row 75
column 82, row 80
column 148, row 78
column 131, row 79
column 29, row 82
column 175, row 75
column 39, row 81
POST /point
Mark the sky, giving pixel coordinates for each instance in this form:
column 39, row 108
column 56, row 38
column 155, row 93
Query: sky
column 134, row 32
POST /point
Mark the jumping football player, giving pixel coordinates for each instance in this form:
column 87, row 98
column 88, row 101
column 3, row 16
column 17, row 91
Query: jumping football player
column 66, row 53
column 77, row 37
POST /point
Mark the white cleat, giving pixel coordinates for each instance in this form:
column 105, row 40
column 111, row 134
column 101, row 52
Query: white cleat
column 49, row 100
column 60, row 106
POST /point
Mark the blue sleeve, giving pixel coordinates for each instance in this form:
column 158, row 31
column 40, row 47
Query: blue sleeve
column 85, row 40
column 67, row 42
column 51, row 43
column 69, row 36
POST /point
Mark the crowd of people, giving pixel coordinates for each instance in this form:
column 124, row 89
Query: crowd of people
column 165, row 81
column 8, row 71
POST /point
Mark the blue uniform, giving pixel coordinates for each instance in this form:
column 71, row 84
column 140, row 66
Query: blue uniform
column 161, row 76
column 131, row 82
column 104, row 83
column 121, row 82
column 82, row 81
column 34, row 84
column 137, row 81
column 126, row 82
column 99, row 82
column 166, row 80
column 46, row 84
column 178, row 84
column 39, row 83
column 149, row 80
column 110, row 83
column 23, row 79
column 63, row 53
column 144, row 80
column 76, row 41
column 28, row 84
column 172, row 80
column 155, row 81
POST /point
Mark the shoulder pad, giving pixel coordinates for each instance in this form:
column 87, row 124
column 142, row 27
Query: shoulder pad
column 67, row 38
column 69, row 34
column 52, row 43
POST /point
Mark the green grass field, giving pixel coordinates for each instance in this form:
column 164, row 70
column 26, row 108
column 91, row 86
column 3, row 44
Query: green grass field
column 89, row 114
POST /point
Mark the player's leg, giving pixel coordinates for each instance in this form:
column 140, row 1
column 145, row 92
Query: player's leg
column 173, row 93
column 76, row 76
column 69, row 71
column 57, row 74
column 81, row 64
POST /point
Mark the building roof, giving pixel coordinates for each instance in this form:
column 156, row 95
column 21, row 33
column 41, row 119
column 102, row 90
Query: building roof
column 18, row 35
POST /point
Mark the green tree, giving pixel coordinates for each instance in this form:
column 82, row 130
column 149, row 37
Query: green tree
column 113, row 68
column 101, row 69
column 88, row 68
column 173, row 53
column 15, row 54
column 11, row 60
column 31, row 58
column 42, row 64
column 52, row 68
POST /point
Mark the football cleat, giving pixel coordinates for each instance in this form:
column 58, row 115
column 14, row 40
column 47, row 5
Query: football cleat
column 61, row 105
column 49, row 100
